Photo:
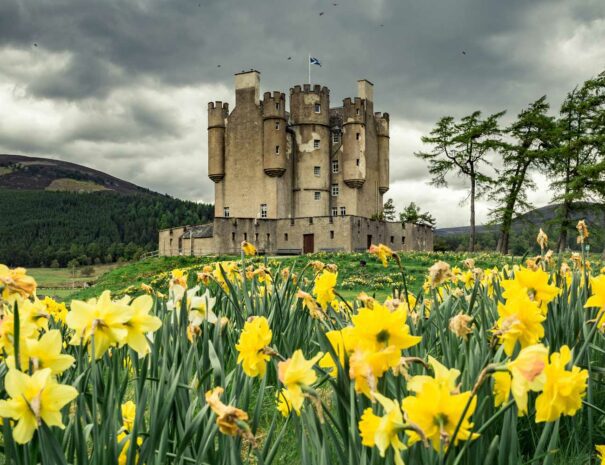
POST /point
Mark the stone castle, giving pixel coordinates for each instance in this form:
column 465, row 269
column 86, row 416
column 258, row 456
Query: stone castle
column 308, row 180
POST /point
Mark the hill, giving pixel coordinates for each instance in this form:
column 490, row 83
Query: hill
column 56, row 213
column 526, row 226
column 19, row 172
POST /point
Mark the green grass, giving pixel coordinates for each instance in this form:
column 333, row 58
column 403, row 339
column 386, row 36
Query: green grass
column 61, row 283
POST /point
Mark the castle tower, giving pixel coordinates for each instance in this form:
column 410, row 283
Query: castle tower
column 310, row 118
column 217, row 114
column 382, row 131
column 274, row 134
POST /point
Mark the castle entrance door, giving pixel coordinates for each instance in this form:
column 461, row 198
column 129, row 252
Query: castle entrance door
column 369, row 240
column 308, row 243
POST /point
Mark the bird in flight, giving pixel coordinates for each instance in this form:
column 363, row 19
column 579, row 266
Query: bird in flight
column 382, row 25
column 321, row 14
column 35, row 44
column 218, row 66
column 334, row 4
column 463, row 52
column 289, row 58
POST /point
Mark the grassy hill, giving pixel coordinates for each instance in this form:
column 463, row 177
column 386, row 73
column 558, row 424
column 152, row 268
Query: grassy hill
column 525, row 228
column 55, row 213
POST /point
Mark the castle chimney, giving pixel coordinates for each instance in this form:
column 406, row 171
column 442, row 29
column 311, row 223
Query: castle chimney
column 365, row 90
column 247, row 86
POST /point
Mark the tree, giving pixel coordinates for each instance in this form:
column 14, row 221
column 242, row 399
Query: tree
column 531, row 139
column 411, row 214
column 463, row 148
column 388, row 210
column 577, row 168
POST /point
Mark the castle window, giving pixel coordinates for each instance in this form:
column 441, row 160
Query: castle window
column 343, row 211
column 277, row 125
column 277, row 150
column 335, row 137
column 317, row 170
column 331, row 234
column 334, row 166
column 392, row 239
column 357, row 111
column 277, row 106
column 263, row 210
column 334, row 211
column 316, row 144
column 358, row 162
column 358, row 136
column 245, row 236
column 317, row 195
column 233, row 236
column 403, row 239
column 268, row 237
column 310, row 220
column 334, row 190
column 317, row 108
column 285, row 236
column 226, row 212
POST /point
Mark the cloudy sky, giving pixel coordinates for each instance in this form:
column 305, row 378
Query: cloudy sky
column 122, row 85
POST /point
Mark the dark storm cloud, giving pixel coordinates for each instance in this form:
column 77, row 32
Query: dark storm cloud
column 123, row 61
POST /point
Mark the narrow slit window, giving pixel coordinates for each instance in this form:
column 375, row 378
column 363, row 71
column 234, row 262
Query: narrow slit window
column 277, row 125
column 277, row 150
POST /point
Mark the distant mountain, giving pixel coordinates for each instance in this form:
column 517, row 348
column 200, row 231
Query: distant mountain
column 56, row 213
column 34, row 173
column 526, row 227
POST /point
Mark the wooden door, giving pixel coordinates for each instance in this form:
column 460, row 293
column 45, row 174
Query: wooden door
column 308, row 243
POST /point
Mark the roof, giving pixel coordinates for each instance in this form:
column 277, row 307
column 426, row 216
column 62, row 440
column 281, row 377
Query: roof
column 200, row 231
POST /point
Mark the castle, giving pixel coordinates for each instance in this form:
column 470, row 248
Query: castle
column 308, row 180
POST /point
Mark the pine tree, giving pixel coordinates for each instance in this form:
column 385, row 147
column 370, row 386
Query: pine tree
column 388, row 211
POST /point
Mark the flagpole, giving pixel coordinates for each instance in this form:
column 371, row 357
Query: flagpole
column 309, row 64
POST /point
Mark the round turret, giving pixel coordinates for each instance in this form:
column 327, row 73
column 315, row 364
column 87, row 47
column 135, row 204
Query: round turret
column 382, row 131
column 274, row 133
column 217, row 115
column 353, row 141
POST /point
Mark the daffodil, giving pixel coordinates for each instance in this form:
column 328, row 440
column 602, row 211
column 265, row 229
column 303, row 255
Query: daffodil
column 230, row 420
column 284, row 402
column 44, row 353
column 128, row 410
column 324, row 288
column 248, row 248
column 124, row 442
column 460, row 325
column 16, row 281
column 58, row 311
column 520, row 320
column 310, row 304
column 297, row 373
column 525, row 374
column 437, row 413
column 341, row 344
column 33, row 400
column 439, row 273
column 27, row 330
column 103, row 319
column 140, row 323
column 444, row 378
column 601, row 452
column 252, row 342
column 563, row 389
column 534, row 284
column 383, row 252
column 383, row 431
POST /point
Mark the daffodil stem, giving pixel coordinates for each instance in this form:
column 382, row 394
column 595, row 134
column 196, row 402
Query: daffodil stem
column 343, row 299
column 405, row 284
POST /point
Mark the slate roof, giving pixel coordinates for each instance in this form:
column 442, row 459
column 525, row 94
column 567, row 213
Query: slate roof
column 200, row 231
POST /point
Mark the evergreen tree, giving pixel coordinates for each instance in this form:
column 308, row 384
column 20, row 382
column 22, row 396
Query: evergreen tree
column 388, row 211
column 463, row 148
column 411, row 214
column 530, row 140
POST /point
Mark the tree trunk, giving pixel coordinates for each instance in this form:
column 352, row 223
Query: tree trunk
column 502, row 246
column 472, row 239
column 566, row 209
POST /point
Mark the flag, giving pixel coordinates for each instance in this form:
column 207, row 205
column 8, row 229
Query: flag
column 314, row 61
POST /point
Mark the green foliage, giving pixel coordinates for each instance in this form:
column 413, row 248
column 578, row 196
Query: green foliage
column 388, row 210
column 411, row 214
column 463, row 148
column 52, row 228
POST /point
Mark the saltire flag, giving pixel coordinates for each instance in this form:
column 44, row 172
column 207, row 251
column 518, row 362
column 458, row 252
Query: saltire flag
column 314, row 61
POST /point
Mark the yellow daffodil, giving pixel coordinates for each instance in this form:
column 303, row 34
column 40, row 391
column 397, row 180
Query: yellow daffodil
column 383, row 431
column 324, row 288
column 597, row 299
column 102, row 319
column 34, row 399
column 601, row 452
column 366, row 367
column 140, row 323
column 44, row 353
column 341, row 344
column 229, row 419
column 532, row 283
column 16, row 281
column 310, row 304
column 520, row 320
column 297, row 373
column 437, row 412
column 252, row 342
column 58, row 311
column 563, row 389
column 124, row 441
column 444, row 378
column 382, row 252
column 27, row 330
column 128, row 410
column 525, row 373
column 248, row 248
column 284, row 402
